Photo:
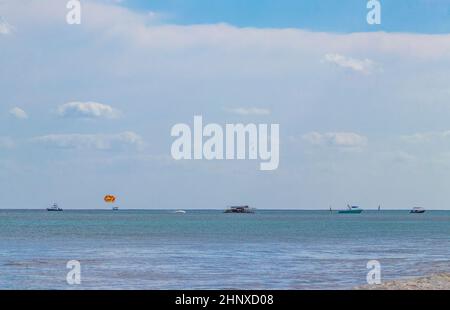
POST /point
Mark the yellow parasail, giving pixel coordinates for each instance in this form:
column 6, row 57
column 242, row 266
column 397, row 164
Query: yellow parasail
column 109, row 198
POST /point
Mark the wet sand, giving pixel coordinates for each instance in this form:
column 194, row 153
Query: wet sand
column 439, row 281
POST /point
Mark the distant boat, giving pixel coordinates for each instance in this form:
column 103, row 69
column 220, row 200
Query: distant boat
column 54, row 207
column 239, row 209
column 417, row 210
column 180, row 211
column 115, row 208
column 351, row 210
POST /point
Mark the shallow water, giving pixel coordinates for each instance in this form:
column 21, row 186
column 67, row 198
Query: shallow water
column 210, row 250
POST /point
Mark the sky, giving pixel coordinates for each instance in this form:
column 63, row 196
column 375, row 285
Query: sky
column 87, row 110
column 423, row 16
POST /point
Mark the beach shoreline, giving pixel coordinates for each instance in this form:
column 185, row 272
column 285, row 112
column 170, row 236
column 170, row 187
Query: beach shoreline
column 437, row 281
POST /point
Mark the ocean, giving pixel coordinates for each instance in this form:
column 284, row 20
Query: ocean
column 158, row 249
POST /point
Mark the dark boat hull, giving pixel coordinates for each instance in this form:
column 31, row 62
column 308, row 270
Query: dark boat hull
column 350, row 211
column 240, row 209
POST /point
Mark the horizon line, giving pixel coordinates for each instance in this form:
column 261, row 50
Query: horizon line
column 190, row 209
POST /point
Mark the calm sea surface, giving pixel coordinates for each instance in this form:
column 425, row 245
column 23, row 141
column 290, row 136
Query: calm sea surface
column 213, row 250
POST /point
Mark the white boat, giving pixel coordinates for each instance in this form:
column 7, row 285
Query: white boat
column 180, row 211
column 417, row 210
column 351, row 210
column 115, row 208
column 54, row 207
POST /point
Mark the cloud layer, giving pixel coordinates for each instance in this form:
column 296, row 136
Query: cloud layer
column 87, row 110
column 160, row 74
column 101, row 142
column 336, row 139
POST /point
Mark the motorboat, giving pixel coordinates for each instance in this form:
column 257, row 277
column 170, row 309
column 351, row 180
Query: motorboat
column 417, row 210
column 351, row 210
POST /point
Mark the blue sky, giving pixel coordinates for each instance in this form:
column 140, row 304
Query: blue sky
column 424, row 16
column 86, row 110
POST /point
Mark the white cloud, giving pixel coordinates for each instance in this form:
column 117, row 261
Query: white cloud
column 122, row 140
column 365, row 66
column 18, row 113
column 6, row 143
column 87, row 110
column 426, row 137
column 249, row 111
column 336, row 139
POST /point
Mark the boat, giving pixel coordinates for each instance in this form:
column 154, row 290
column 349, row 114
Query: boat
column 417, row 210
column 115, row 208
column 180, row 211
column 239, row 209
column 351, row 210
column 54, row 207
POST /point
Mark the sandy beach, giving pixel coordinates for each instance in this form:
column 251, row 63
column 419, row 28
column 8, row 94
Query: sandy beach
column 439, row 281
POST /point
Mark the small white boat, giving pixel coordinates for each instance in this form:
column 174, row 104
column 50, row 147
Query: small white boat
column 54, row 208
column 417, row 210
column 180, row 211
column 115, row 208
column 351, row 210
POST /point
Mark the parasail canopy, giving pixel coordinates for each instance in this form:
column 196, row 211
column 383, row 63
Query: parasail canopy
column 109, row 198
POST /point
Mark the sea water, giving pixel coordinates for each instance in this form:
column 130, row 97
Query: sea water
column 158, row 249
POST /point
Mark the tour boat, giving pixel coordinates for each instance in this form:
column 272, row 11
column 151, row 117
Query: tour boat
column 240, row 209
column 54, row 208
